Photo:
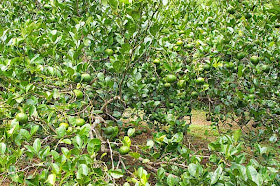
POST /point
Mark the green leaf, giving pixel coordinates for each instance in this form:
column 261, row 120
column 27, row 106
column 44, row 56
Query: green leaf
column 164, row 2
column 117, row 65
column 78, row 140
column 253, row 175
column 130, row 132
column 104, row 2
column 93, row 146
column 240, row 70
column 113, row 4
column 134, row 155
column 66, row 141
column 34, row 129
column 150, row 144
column 215, row 177
column 116, row 174
column 237, row 135
column 171, row 180
column 55, row 168
column 19, row 99
column 37, row 145
column 51, row 179
column 82, row 171
column 60, row 131
column 14, row 128
column 127, row 141
column 2, row 148
column 194, row 170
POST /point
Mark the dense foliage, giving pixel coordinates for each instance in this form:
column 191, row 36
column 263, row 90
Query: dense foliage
column 79, row 80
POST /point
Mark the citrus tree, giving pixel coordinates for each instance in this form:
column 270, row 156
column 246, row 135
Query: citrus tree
column 80, row 80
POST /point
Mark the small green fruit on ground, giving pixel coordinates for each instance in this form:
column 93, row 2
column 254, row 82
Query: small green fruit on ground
column 124, row 150
column 78, row 93
column 86, row 78
column 255, row 59
column 80, row 122
column 22, row 118
column 171, row 78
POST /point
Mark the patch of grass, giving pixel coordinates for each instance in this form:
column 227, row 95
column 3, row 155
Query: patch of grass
column 204, row 132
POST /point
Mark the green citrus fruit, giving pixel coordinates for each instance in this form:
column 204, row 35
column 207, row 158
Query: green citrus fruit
column 124, row 150
column 255, row 59
column 156, row 61
column 240, row 55
column 181, row 83
column 80, row 122
column 66, row 125
column 189, row 46
column 194, row 94
column 167, row 85
column 229, row 65
column 171, row 78
column 179, row 42
column 251, row 96
column 47, row 6
column 181, row 31
column 109, row 130
column 109, row 51
column 22, row 118
column 153, row 79
column 206, row 67
column 78, row 93
column 200, row 81
column 86, row 78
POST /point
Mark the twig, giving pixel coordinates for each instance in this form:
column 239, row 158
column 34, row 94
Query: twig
column 111, row 154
